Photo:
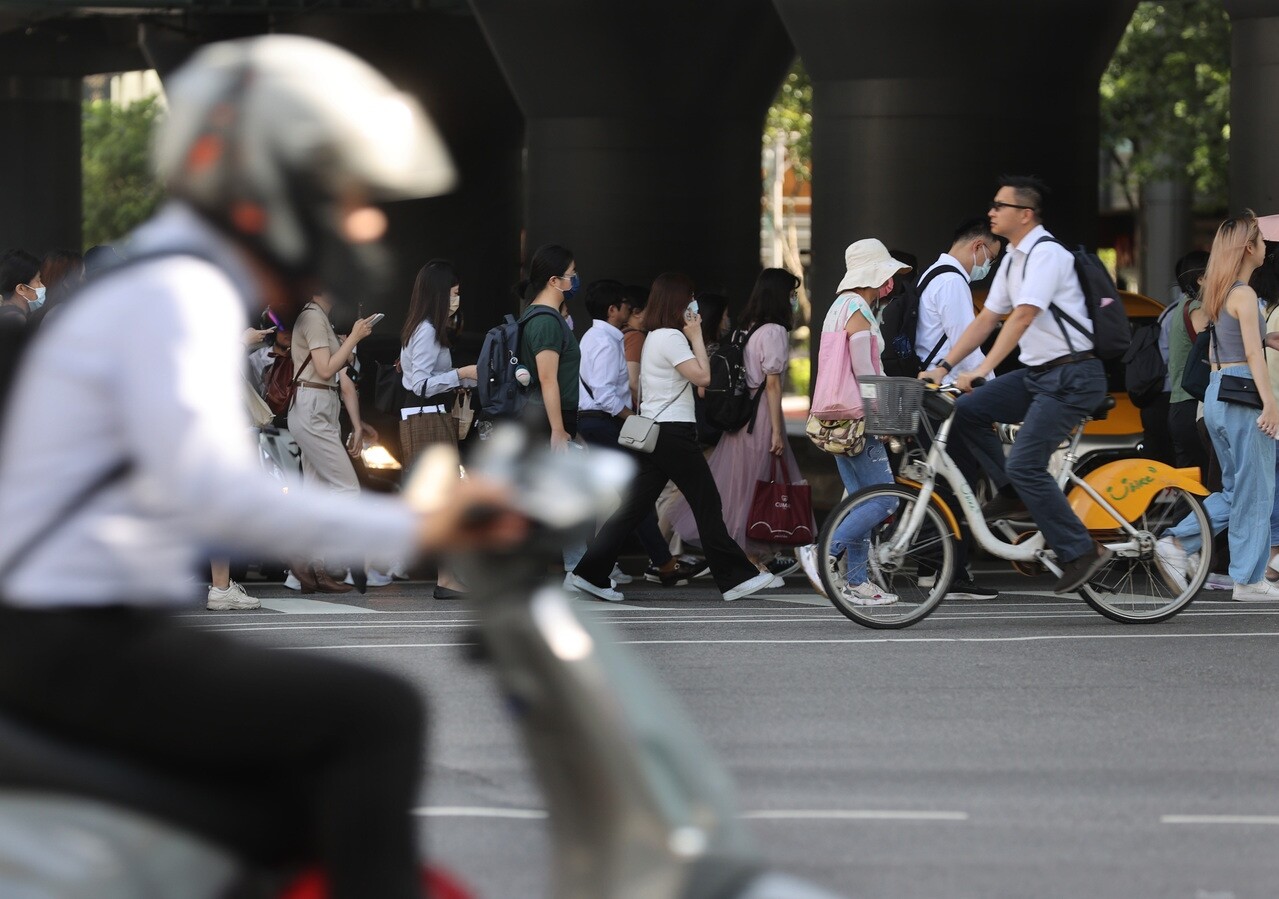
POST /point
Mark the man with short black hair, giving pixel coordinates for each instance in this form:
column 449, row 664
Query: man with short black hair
column 1063, row 382
column 945, row 312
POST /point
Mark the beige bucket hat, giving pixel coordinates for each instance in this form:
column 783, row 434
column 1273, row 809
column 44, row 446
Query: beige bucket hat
column 868, row 263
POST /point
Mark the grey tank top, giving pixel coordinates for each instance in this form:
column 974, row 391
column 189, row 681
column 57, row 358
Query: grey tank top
column 1229, row 339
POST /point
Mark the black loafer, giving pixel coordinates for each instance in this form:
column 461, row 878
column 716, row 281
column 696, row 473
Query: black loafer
column 445, row 593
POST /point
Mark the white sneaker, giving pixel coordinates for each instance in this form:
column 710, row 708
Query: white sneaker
column 867, row 594
column 569, row 586
column 232, row 598
column 378, row 579
column 1262, row 591
column 762, row 581
column 399, row 573
column 619, row 576
column 1172, row 562
column 607, row 594
column 292, row 582
column 807, row 556
column 928, row 581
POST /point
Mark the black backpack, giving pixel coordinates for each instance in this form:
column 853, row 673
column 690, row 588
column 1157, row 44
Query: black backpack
column 897, row 326
column 1144, row 366
column 1111, row 333
column 729, row 405
column 501, row 394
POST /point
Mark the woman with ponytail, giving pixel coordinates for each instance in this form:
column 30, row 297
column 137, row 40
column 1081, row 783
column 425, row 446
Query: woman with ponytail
column 1243, row 439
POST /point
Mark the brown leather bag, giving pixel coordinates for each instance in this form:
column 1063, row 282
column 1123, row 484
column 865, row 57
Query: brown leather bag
column 281, row 384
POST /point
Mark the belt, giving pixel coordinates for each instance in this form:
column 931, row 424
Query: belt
column 405, row 414
column 316, row 385
column 595, row 413
column 1061, row 360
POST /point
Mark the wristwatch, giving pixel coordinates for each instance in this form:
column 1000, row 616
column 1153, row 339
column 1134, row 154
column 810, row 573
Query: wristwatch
column 946, row 365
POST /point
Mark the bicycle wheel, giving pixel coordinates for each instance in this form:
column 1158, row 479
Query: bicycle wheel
column 928, row 553
column 1133, row 588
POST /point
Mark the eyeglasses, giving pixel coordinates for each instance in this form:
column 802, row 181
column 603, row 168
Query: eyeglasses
column 996, row 205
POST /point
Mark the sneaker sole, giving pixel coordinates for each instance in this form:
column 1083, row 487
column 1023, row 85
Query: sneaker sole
column 231, row 607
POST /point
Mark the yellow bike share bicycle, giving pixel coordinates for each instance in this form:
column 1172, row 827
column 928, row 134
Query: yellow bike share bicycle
column 907, row 533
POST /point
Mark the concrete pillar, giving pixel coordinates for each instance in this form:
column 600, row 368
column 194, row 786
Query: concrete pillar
column 40, row 162
column 644, row 124
column 1167, row 211
column 1254, row 104
column 918, row 107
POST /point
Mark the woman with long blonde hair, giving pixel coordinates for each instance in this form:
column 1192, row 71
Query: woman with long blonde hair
column 1244, row 440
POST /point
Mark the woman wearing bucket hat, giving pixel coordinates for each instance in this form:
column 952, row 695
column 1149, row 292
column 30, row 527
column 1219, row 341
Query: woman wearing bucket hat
column 868, row 276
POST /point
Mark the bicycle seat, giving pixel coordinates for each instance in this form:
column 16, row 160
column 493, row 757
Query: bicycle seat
column 1103, row 410
column 228, row 813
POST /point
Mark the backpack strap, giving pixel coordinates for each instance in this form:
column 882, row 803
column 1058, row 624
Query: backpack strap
column 1185, row 317
column 750, row 427
column 919, row 289
column 1058, row 315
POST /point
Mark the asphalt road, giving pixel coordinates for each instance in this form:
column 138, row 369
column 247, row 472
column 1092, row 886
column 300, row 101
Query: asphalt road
column 1022, row 747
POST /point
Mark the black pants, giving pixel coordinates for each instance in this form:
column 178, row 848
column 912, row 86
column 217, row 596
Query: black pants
column 600, row 431
column 677, row 458
column 1188, row 446
column 337, row 743
column 1156, row 430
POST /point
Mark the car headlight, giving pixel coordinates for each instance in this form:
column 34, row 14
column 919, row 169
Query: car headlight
column 375, row 456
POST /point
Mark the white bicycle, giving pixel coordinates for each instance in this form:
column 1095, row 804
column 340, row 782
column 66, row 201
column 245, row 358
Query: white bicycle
column 909, row 547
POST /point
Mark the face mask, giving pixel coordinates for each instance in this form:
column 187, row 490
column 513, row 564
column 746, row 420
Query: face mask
column 885, row 290
column 573, row 285
column 455, row 303
column 980, row 271
column 35, row 304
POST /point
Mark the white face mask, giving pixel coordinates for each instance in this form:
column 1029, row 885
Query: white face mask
column 455, row 303
column 980, row 271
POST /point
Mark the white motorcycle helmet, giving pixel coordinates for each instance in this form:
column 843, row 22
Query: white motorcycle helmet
column 269, row 137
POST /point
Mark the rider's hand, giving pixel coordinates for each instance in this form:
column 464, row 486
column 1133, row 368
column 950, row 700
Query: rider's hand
column 936, row 374
column 964, row 380
column 1268, row 420
column 475, row 513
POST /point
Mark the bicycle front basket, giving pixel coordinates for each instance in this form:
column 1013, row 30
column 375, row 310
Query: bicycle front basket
column 891, row 404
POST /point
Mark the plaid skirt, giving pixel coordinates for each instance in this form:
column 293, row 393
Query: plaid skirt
column 417, row 432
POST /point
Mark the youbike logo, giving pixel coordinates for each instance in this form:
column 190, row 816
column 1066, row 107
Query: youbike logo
column 1130, row 487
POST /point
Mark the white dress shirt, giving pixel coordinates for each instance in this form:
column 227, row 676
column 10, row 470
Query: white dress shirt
column 1049, row 279
column 147, row 366
column 605, row 380
column 945, row 310
column 427, row 366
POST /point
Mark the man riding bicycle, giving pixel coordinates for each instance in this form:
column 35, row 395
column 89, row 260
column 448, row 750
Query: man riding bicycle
column 1061, row 385
column 126, row 457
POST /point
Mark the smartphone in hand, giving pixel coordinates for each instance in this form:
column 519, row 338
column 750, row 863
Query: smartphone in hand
column 375, row 318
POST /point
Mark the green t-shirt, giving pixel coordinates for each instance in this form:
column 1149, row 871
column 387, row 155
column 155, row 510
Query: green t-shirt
column 544, row 331
column 1179, row 348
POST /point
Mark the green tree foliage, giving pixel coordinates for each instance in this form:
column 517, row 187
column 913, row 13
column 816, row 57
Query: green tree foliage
column 120, row 190
column 791, row 116
column 1166, row 95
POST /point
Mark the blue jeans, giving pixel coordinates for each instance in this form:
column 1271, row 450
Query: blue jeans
column 868, row 468
column 1247, row 494
column 1049, row 404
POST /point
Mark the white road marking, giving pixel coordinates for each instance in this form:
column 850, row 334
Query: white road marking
column 294, row 605
column 462, row 811
column 1219, row 819
column 533, row 814
column 849, row 640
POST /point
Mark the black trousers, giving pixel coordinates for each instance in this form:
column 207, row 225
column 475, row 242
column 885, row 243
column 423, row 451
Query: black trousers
column 677, row 458
column 603, row 432
column 338, row 745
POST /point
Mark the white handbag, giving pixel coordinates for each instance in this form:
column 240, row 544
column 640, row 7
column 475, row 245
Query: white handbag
column 640, row 433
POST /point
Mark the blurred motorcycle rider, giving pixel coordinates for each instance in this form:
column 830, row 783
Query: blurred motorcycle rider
column 125, row 458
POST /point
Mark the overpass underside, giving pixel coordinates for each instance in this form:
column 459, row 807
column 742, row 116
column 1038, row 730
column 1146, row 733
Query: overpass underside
column 631, row 131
